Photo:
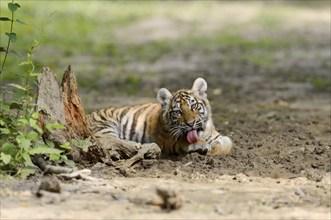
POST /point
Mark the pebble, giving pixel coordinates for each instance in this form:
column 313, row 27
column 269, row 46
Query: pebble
column 299, row 192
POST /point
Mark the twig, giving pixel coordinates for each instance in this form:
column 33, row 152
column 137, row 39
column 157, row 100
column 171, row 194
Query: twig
column 52, row 169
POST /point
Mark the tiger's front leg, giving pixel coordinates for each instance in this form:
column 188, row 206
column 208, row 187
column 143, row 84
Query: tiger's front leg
column 221, row 145
column 217, row 145
column 201, row 147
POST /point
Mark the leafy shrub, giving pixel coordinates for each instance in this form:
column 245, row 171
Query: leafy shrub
column 21, row 137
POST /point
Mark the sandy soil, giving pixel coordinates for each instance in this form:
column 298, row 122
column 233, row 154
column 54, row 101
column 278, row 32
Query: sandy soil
column 280, row 165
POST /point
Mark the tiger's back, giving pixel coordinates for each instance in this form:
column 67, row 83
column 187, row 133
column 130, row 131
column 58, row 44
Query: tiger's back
column 136, row 123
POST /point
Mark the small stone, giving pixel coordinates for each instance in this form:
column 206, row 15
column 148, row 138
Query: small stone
column 299, row 192
column 49, row 184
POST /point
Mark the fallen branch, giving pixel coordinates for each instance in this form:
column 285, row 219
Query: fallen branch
column 50, row 169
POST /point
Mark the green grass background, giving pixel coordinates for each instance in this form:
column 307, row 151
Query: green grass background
column 83, row 34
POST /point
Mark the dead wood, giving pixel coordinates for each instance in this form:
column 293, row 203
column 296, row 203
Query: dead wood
column 63, row 105
column 73, row 110
column 51, row 169
column 50, row 106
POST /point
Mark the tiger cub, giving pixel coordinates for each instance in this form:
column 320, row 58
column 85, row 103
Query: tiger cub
column 180, row 123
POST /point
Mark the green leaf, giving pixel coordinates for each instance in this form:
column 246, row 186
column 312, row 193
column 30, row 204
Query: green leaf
column 7, row 148
column 17, row 86
column 32, row 122
column 54, row 157
column 66, row 145
column 50, row 143
column 81, row 143
column 35, row 115
column 54, row 126
column 27, row 171
column 12, row 36
column 5, row 130
column 23, row 121
column 15, row 105
column 35, row 126
column 33, row 136
column 4, row 107
column 70, row 163
column 5, row 19
column 27, row 159
column 6, row 158
column 21, row 22
column 44, row 149
column 13, row 7
column 2, row 49
column 25, row 144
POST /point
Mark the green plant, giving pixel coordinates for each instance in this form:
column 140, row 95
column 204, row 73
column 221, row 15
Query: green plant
column 11, row 34
column 21, row 137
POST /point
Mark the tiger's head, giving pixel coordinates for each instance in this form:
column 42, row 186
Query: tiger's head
column 187, row 111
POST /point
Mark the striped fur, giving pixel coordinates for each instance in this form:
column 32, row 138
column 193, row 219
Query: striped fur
column 165, row 123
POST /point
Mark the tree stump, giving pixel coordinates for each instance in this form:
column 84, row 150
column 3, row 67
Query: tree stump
column 62, row 105
column 73, row 110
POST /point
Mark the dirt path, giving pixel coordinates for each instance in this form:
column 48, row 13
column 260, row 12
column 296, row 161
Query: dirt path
column 226, row 197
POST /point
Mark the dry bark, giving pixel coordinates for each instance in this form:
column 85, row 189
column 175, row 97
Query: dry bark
column 73, row 110
column 50, row 106
column 62, row 105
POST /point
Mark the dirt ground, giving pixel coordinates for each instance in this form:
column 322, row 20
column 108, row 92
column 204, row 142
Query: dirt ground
column 278, row 116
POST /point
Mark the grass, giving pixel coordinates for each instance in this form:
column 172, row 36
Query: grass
column 321, row 84
column 85, row 35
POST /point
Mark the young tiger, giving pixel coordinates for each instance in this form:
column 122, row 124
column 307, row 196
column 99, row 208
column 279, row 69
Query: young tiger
column 180, row 123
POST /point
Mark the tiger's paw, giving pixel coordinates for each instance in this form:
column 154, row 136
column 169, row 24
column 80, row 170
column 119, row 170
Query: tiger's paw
column 200, row 147
column 221, row 146
column 151, row 150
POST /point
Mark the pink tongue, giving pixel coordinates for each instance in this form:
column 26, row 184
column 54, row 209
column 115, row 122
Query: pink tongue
column 192, row 136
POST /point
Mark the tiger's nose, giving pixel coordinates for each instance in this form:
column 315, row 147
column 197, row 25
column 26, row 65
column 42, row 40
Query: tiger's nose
column 190, row 123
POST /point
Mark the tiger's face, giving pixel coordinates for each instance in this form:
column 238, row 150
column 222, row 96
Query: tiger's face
column 186, row 112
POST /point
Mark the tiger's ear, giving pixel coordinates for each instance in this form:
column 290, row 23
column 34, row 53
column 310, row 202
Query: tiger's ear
column 164, row 97
column 200, row 86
